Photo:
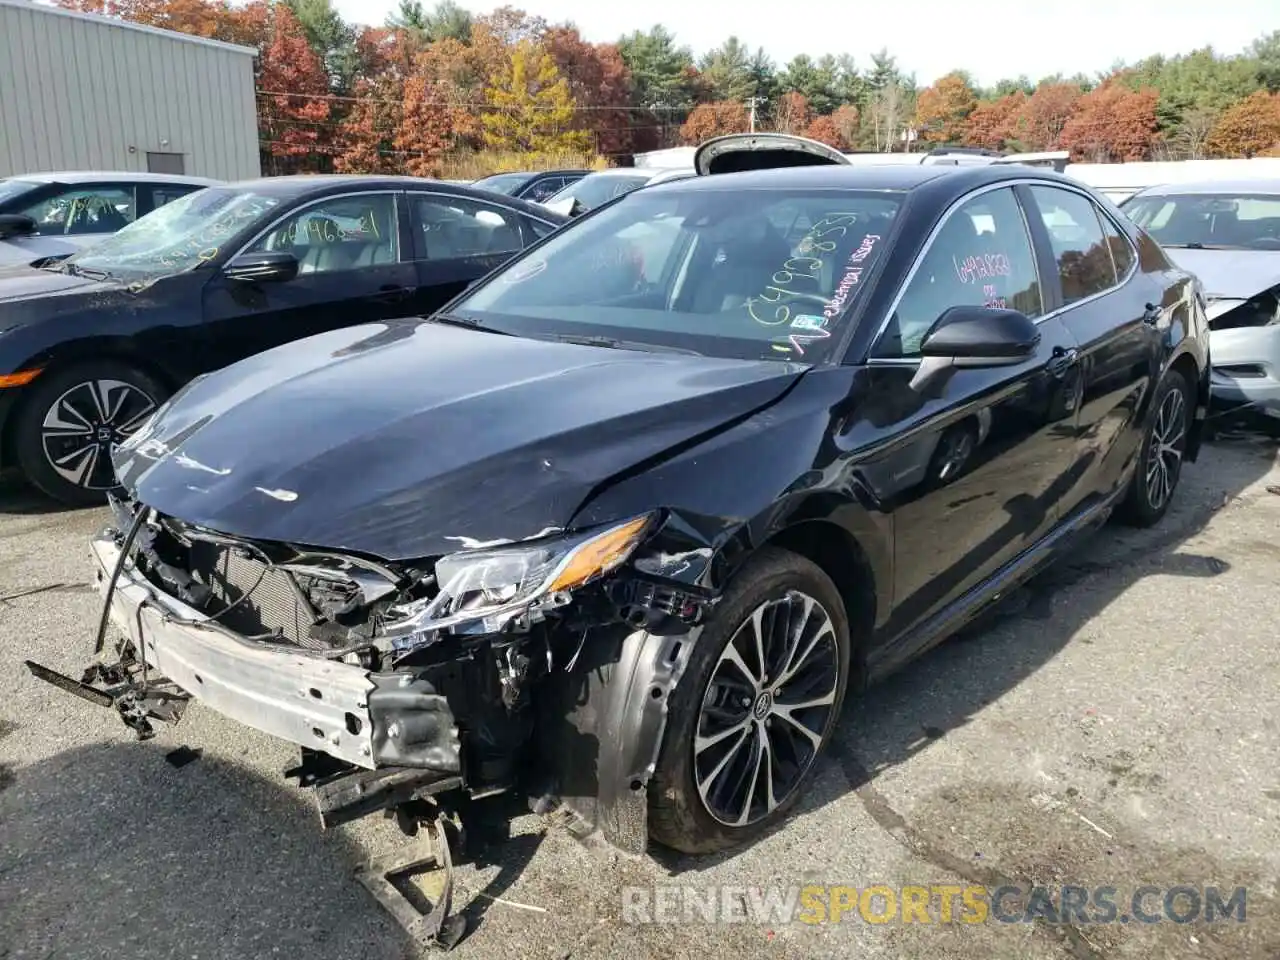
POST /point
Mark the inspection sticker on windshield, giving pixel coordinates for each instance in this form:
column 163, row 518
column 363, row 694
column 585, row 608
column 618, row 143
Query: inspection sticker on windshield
column 809, row 321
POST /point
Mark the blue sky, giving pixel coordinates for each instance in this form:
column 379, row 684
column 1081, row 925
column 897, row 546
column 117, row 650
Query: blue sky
column 991, row 39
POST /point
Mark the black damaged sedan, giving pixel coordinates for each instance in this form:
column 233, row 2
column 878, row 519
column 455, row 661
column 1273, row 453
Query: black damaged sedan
column 624, row 527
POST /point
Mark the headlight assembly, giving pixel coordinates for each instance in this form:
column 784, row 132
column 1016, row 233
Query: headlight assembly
column 494, row 585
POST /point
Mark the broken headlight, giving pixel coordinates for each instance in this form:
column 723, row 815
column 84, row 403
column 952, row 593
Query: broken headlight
column 495, row 585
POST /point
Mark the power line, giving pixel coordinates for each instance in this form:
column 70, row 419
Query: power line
column 332, row 97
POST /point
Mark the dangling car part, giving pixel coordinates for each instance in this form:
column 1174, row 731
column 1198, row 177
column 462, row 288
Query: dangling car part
column 616, row 533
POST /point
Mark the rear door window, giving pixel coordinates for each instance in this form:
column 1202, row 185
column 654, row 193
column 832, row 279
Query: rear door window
column 1085, row 267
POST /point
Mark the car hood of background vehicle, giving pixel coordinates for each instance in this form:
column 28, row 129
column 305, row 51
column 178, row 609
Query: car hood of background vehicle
column 1230, row 274
column 411, row 439
column 26, row 283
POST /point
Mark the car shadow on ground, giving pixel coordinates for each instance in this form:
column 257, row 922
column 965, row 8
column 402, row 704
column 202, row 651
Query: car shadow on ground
column 942, row 690
column 111, row 851
column 17, row 497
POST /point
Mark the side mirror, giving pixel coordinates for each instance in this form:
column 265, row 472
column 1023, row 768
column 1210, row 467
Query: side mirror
column 16, row 225
column 970, row 336
column 267, row 267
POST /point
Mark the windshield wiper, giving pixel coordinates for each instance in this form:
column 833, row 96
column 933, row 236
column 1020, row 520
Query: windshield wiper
column 471, row 323
column 592, row 340
column 75, row 270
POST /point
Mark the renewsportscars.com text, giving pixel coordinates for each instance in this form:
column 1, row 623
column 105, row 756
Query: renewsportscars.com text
column 939, row 903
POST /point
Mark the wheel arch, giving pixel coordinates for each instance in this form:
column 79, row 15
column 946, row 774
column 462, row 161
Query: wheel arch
column 75, row 353
column 1185, row 363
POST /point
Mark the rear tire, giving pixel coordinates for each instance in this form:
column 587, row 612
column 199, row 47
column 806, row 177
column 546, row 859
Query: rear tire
column 71, row 418
column 1160, row 458
column 737, row 752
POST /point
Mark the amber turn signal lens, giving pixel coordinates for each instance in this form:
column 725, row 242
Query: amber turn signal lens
column 19, row 379
column 600, row 555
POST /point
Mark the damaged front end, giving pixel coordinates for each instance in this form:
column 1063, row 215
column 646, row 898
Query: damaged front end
column 541, row 667
column 1245, row 350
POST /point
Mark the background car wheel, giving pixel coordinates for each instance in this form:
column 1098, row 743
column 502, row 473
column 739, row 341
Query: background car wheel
column 1160, row 459
column 71, row 419
column 757, row 703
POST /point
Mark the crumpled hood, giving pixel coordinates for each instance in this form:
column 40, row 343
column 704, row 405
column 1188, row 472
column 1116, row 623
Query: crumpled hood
column 1230, row 274
column 22, row 282
column 410, row 439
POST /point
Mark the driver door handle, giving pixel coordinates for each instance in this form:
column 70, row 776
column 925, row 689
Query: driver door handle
column 1063, row 359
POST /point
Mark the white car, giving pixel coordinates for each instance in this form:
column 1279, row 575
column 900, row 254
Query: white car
column 603, row 185
column 1228, row 234
column 46, row 215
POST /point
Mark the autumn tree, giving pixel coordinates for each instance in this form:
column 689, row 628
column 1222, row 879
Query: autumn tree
column 366, row 141
column 792, row 114
column 1249, row 129
column 714, row 120
column 422, row 137
column 1039, row 121
column 942, row 109
column 599, row 83
column 824, row 130
column 293, row 104
column 847, row 123
column 1111, row 124
column 991, row 124
column 531, row 108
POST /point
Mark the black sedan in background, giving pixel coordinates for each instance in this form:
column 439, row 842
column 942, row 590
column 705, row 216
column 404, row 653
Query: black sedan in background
column 532, row 185
column 90, row 346
column 626, row 522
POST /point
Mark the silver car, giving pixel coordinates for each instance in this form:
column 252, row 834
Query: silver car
column 603, row 185
column 45, row 215
column 1228, row 234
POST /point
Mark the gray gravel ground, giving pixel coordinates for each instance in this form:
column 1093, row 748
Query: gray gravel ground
column 1115, row 723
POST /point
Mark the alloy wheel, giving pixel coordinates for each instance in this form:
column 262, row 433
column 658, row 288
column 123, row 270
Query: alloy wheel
column 83, row 424
column 766, row 709
column 1168, row 438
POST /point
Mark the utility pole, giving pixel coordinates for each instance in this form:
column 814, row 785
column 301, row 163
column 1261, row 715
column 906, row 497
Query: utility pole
column 751, row 103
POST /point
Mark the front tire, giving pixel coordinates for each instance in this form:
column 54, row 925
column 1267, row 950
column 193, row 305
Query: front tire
column 72, row 417
column 759, row 699
column 1160, row 457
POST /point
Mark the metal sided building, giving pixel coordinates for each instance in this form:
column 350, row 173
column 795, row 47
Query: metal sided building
column 82, row 92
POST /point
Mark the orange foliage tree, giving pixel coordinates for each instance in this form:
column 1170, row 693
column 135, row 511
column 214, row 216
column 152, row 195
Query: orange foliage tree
column 293, row 104
column 366, row 138
column 991, row 124
column 792, row 114
column 1112, row 124
column 1038, row 123
column 824, row 130
column 714, row 120
column 1251, row 128
column 847, row 123
column 599, row 83
column 942, row 109
column 422, row 137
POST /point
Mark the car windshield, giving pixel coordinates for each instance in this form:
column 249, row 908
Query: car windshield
column 13, row 188
column 507, row 183
column 760, row 273
column 594, row 189
column 179, row 236
column 1233, row 221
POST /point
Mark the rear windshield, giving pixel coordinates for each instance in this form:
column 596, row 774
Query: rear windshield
column 592, row 191
column 761, row 273
column 503, row 182
column 1235, row 221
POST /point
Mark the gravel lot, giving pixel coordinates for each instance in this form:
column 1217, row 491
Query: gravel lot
column 1116, row 723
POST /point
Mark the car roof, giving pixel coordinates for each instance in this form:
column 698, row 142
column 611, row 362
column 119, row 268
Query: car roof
column 322, row 184
column 1269, row 186
column 110, row 176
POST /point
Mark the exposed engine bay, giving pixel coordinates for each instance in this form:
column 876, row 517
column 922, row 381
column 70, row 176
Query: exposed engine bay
column 409, row 688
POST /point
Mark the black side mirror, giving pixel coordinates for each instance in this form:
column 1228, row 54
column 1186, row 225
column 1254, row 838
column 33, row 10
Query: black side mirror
column 16, row 225
column 970, row 336
column 267, row 267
